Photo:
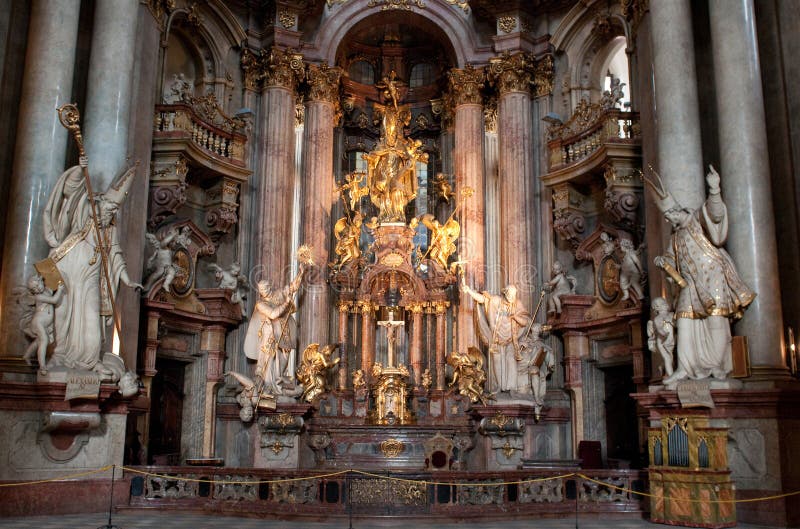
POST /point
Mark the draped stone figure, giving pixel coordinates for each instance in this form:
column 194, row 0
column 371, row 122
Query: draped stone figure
column 711, row 291
column 501, row 322
column 272, row 335
column 85, row 310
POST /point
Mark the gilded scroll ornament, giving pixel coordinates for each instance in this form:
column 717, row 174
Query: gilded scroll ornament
column 507, row 24
column 391, row 447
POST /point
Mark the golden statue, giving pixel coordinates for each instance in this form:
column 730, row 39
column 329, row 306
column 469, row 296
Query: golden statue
column 443, row 238
column 392, row 165
column 468, row 373
column 311, row 372
column 347, row 233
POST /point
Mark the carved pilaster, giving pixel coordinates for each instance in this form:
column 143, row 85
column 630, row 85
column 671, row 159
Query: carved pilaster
column 465, row 85
column 543, row 75
column 222, row 208
column 251, row 65
column 511, row 73
column 490, row 115
column 634, row 11
column 568, row 216
column 323, row 82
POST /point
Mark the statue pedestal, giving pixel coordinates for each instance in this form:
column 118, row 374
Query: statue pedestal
column 278, row 445
column 759, row 428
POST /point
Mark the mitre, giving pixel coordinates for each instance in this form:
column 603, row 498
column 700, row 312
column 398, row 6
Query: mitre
column 119, row 188
column 664, row 199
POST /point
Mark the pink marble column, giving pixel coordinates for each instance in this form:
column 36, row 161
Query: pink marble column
column 367, row 336
column 317, row 199
column 512, row 77
column 465, row 85
column 441, row 342
column 276, row 167
column 344, row 316
column 415, row 349
column 39, row 154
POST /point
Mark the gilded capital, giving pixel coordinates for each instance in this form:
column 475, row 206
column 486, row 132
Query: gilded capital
column 251, row 65
column 465, row 85
column 543, row 75
column 511, row 73
column 323, row 82
column 283, row 68
column 344, row 306
column 440, row 306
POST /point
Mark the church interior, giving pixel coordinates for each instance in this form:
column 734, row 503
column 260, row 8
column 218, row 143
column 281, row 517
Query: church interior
column 449, row 259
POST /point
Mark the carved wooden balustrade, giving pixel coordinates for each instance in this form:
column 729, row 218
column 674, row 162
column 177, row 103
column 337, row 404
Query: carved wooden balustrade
column 580, row 137
column 459, row 495
column 183, row 121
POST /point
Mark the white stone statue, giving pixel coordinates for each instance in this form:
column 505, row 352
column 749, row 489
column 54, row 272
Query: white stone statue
column 559, row 285
column 711, row 291
column 272, row 336
column 85, row 310
column 160, row 264
column 608, row 244
column 630, row 272
column 179, row 90
column 501, row 322
column 539, row 362
column 37, row 321
column 661, row 333
column 233, row 280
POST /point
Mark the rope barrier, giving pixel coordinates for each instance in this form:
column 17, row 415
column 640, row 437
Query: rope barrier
column 61, row 478
column 403, row 480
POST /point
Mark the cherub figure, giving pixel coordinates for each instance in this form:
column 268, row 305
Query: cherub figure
column 427, row 379
column 38, row 325
column 159, row 264
column 179, row 89
column 661, row 333
column 358, row 380
column 233, row 280
column 607, row 244
column 468, row 373
column 630, row 274
column 559, row 285
column 540, row 364
column 311, row 372
column 184, row 238
column 352, row 185
column 247, row 398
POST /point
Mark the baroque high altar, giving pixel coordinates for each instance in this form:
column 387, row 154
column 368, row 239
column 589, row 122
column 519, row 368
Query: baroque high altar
column 457, row 241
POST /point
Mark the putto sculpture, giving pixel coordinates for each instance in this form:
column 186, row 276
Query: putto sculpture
column 661, row 333
column 313, row 367
column 38, row 318
column 468, row 374
column 560, row 284
column 232, row 280
column 711, row 293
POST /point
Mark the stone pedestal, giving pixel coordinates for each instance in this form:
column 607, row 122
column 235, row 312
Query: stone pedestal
column 502, row 430
column 762, row 440
column 278, row 445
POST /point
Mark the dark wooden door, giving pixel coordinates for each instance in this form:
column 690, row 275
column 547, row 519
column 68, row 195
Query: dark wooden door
column 166, row 412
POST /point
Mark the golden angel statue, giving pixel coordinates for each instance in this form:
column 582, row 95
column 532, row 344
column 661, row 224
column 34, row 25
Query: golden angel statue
column 443, row 239
column 348, row 234
column 311, row 373
column 468, row 373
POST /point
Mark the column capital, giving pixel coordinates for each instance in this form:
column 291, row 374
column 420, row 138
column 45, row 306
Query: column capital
column 344, row 306
column 465, row 85
column 276, row 68
column 440, row 306
column 511, row 73
column 323, row 82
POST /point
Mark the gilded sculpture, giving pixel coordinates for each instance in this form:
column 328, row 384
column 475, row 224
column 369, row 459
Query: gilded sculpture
column 442, row 239
column 392, row 165
column 711, row 293
column 468, row 374
column 348, row 236
column 312, row 369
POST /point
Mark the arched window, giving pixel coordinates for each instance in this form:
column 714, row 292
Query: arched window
column 421, row 74
column 362, row 72
column 616, row 65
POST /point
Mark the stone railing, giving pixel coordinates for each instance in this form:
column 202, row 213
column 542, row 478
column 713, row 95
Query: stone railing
column 612, row 125
column 440, row 494
column 181, row 121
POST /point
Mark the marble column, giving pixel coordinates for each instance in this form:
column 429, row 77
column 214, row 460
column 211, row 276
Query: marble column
column 415, row 349
column 40, row 152
column 109, row 89
column 317, row 198
column 441, row 342
column 344, row 315
column 746, row 188
column 680, row 157
column 465, row 85
column 367, row 336
column 512, row 77
column 276, row 166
